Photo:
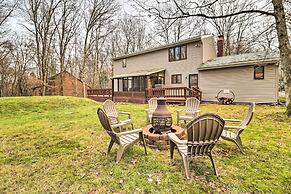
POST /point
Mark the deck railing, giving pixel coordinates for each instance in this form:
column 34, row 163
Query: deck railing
column 100, row 92
column 173, row 92
column 195, row 92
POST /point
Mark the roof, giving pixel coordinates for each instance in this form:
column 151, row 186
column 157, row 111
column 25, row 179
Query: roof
column 240, row 60
column 63, row 72
column 139, row 73
column 165, row 46
column 40, row 84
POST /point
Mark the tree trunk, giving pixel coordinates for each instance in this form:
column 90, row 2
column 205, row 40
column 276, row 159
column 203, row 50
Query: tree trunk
column 62, row 64
column 284, row 47
column 62, row 81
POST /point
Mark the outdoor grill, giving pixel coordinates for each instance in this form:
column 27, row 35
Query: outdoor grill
column 161, row 118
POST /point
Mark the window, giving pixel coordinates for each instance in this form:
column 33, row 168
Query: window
column 157, row 79
column 178, row 53
column 127, row 84
column 183, row 52
column 124, row 63
column 134, row 83
column 193, row 80
column 172, row 54
column 138, row 83
column 259, row 72
column 176, row 79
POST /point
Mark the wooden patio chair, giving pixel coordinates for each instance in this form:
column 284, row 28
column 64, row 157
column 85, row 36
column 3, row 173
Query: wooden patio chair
column 191, row 110
column 113, row 115
column 153, row 103
column 123, row 139
column 202, row 135
column 227, row 133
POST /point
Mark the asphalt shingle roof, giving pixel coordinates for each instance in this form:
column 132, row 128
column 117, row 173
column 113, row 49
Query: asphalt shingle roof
column 139, row 73
column 240, row 60
column 165, row 46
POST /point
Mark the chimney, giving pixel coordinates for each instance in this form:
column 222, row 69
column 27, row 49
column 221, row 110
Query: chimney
column 220, row 43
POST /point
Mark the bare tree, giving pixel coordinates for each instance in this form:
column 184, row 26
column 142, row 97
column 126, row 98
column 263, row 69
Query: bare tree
column 233, row 28
column 168, row 31
column 6, row 10
column 60, row 43
column 96, row 14
column 129, row 36
column 22, row 56
column 67, row 21
column 41, row 17
column 6, row 71
column 171, row 31
column 99, row 55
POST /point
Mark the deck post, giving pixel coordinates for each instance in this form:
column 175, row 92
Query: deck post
column 145, row 95
column 112, row 89
column 145, row 89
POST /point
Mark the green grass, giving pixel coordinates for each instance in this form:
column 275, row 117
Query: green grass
column 56, row 144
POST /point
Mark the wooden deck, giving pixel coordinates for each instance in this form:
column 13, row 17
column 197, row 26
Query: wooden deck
column 173, row 94
column 99, row 95
column 130, row 96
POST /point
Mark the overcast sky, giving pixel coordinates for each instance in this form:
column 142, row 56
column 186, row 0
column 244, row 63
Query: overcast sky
column 126, row 6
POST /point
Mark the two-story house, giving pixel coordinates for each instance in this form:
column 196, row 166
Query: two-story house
column 177, row 70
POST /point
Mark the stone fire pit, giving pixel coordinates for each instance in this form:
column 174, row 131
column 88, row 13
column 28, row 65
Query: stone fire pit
column 161, row 141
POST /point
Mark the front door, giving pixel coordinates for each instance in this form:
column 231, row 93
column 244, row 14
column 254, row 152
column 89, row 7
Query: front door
column 193, row 80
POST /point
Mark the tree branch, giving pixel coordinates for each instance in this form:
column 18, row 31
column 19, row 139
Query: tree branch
column 186, row 15
column 8, row 14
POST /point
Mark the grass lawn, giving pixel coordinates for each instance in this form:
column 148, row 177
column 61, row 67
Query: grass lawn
column 56, row 144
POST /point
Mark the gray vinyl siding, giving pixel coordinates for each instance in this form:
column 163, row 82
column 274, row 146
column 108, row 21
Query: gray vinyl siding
column 241, row 81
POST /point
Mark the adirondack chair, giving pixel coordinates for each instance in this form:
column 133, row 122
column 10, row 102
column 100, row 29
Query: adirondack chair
column 113, row 115
column 202, row 135
column 227, row 134
column 191, row 111
column 153, row 103
column 123, row 139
